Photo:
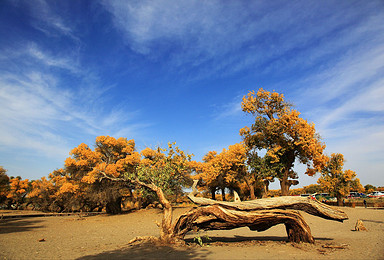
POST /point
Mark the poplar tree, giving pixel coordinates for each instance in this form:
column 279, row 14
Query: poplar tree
column 284, row 135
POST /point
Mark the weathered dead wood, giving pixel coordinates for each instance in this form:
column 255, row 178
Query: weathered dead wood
column 343, row 246
column 311, row 206
column 217, row 217
column 258, row 215
column 360, row 226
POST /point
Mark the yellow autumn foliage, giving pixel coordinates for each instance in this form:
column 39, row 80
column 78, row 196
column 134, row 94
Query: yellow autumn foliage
column 223, row 169
column 284, row 135
column 17, row 188
column 337, row 181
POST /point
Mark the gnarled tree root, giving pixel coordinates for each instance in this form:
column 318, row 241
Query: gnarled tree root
column 216, row 217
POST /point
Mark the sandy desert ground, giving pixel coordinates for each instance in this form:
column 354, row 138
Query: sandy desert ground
column 106, row 237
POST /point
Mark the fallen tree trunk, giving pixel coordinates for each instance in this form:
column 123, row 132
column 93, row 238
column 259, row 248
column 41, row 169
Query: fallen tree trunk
column 311, row 206
column 217, row 217
column 258, row 215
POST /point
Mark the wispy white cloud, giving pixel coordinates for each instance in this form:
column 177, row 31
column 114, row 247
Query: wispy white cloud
column 365, row 105
column 50, row 21
column 219, row 38
column 27, row 120
column 41, row 113
column 349, row 76
column 198, row 31
column 232, row 109
column 345, row 91
column 67, row 61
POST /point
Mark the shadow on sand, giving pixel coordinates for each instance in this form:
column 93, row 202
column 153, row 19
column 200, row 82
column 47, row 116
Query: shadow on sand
column 18, row 225
column 237, row 239
column 151, row 251
column 373, row 221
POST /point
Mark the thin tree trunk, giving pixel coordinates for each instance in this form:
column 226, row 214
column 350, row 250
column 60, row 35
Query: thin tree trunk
column 167, row 215
column 213, row 193
column 252, row 192
column 265, row 188
column 166, row 234
column 251, row 189
column 339, row 200
column 223, row 193
column 284, row 184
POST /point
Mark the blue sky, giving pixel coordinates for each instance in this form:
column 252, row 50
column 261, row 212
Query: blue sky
column 160, row 71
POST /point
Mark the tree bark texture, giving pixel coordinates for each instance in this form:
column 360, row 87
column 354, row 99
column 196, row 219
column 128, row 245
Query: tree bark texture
column 340, row 201
column 223, row 194
column 166, row 234
column 311, row 206
column 251, row 188
column 258, row 215
column 217, row 217
column 213, row 193
column 284, row 184
column 265, row 188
